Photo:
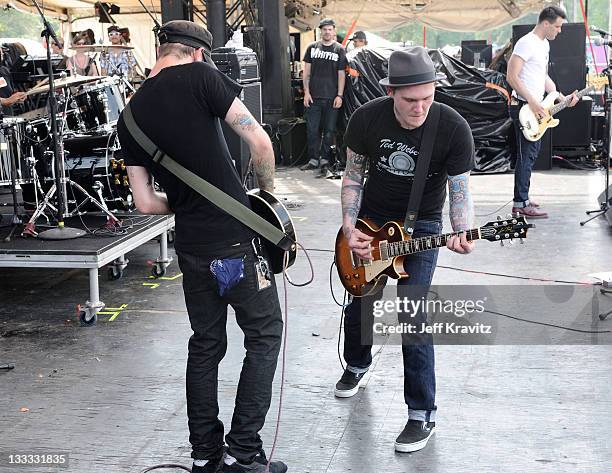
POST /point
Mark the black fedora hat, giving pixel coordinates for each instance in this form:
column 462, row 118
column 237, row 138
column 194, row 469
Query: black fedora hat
column 411, row 66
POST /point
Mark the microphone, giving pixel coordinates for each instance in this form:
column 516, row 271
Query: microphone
column 597, row 30
column 602, row 42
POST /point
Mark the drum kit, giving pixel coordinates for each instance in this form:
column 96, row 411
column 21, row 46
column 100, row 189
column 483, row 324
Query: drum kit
column 88, row 108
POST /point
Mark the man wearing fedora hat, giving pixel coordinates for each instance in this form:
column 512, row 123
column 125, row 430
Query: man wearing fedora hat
column 180, row 107
column 324, row 79
column 385, row 136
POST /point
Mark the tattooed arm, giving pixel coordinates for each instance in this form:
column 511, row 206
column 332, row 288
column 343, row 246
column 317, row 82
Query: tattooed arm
column 461, row 211
column 352, row 192
column 260, row 146
column 146, row 198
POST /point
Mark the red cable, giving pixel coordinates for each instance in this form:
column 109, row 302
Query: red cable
column 586, row 27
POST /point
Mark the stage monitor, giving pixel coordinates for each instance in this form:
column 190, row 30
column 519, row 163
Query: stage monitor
column 476, row 53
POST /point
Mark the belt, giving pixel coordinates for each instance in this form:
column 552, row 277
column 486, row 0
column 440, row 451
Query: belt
column 517, row 101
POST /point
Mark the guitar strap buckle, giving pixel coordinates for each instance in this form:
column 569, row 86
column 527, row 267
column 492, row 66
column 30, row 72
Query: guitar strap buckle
column 262, row 268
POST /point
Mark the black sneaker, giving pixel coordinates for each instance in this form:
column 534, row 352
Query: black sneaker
column 213, row 466
column 415, row 435
column 258, row 465
column 348, row 384
column 308, row 166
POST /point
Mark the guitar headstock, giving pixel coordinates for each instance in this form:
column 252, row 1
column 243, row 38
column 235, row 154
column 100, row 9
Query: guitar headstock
column 597, row 81
column 510, row 228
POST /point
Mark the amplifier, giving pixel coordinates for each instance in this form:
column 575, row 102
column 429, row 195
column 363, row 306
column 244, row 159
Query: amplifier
column 238, row 64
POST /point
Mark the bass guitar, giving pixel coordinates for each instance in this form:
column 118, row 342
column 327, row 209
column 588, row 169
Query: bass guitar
column 533, row 128
column 391, row 244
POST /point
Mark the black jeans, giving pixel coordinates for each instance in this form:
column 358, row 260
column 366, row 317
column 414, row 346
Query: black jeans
column 419, row 361
column 320, row 112
column 259, row 316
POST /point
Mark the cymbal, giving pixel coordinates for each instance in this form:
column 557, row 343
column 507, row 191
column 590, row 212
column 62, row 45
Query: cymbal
column 97, row 48
column 69, row 81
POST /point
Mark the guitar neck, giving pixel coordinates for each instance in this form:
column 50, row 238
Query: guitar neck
column 561, row 105
column 416, row 245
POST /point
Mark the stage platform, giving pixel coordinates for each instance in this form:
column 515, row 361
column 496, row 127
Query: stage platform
column 100, row 246
column 112, row 396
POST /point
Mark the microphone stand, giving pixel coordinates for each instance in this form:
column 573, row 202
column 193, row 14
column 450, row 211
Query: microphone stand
column 156, row 28
column 61, row 232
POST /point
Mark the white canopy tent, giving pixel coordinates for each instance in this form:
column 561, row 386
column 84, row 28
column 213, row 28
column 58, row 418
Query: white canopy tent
column 372, row 15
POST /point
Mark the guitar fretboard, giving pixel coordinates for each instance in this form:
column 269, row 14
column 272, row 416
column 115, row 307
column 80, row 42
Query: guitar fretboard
column 561, row 105
column 407, row 247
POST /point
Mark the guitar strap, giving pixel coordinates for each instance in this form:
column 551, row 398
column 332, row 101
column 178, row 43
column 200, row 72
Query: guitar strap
column 422, row 167
column 215, row 195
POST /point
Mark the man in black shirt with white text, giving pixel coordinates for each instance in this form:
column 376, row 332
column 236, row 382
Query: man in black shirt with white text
column 324, row 79
column 385, row 135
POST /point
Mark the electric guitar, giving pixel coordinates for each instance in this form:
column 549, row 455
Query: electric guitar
column 534, row 128
column 267, row 206
column 361, row 277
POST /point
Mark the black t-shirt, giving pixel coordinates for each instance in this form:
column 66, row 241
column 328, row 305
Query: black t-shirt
column 179, row 109
column 393, row 151
column 325, row 62
column 6, row 89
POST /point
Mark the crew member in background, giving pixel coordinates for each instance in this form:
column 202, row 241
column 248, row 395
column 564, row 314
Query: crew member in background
column 359, row 39
column 117, row 61
column 528, row 76
column 324, row 78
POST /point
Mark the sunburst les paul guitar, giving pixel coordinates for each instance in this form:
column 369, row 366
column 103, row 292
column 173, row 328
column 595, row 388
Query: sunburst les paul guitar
column 534, row 128
column 391, row 245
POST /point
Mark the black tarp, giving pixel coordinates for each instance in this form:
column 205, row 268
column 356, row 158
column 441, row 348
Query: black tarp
column 464, row 89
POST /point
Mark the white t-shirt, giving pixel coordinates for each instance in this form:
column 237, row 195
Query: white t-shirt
column 534, row 51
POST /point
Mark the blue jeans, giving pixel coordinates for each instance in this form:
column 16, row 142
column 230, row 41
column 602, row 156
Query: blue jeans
column 321, row 111
column 419, row 369
column 526, row 155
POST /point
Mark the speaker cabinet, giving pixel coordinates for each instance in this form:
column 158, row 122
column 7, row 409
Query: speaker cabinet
column 544, row 161
column 574, row 129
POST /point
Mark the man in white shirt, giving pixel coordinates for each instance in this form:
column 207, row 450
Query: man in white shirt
column 528, row 76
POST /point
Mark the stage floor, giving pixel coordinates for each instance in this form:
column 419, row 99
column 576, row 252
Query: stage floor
column 112, row 396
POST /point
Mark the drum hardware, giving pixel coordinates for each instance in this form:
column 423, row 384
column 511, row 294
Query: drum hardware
column 15, row 220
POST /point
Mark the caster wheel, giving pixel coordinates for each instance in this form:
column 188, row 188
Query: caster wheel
column 83, row 319
column 158, row 271
column 114, row 273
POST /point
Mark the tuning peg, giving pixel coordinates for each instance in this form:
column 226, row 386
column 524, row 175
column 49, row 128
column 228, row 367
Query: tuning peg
column 510, row 215
column 499, row 217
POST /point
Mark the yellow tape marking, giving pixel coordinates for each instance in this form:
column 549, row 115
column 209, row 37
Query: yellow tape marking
column 112, row 311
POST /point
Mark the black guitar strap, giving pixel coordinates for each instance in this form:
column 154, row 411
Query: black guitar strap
column 422, row 168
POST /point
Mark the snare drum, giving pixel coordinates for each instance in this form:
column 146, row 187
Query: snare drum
column 99, row 104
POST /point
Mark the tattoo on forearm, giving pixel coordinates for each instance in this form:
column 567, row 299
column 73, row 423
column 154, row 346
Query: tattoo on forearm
column 264, row 170
column 461, row 210
column 352, row 185
column 245, row 121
